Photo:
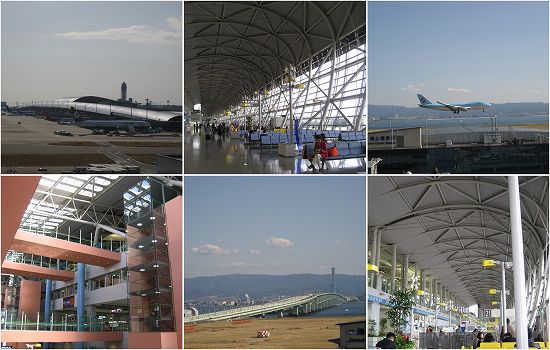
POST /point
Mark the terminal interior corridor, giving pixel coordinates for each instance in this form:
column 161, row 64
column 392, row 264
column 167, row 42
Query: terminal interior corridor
column 235, row 157
column 467, row 247
column 275, row 69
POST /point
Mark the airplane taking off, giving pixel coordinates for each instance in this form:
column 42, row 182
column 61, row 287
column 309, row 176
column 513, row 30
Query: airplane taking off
column 455, row 107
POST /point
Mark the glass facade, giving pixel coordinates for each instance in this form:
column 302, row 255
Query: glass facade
column 149, row 280
column 106, row 280
column 333, row 97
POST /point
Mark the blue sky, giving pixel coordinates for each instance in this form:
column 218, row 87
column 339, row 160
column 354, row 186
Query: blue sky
column 58, row 49
column 246, row 225
column 457, row 51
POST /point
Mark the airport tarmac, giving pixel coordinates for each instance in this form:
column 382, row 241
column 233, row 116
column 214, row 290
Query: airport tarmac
column 29, row 143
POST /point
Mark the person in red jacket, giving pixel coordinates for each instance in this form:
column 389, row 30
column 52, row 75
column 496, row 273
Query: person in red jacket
column 320, row 153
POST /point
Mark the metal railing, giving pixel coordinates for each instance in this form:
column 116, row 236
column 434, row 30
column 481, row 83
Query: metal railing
column 39, row 260
column 26, row 322
column 78, row 237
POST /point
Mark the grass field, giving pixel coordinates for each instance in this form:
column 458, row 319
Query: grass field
column 286, row 333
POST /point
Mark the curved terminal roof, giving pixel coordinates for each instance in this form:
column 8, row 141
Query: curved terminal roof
column 87, row 99
column 235, row 48
column 105, row 106
column 448, row 225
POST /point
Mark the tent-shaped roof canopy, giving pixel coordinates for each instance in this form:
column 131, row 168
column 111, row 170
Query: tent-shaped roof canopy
column 448, row 225
column 233, row 48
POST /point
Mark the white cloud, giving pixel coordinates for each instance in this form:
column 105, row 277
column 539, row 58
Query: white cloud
column 413, row 88
column 255, row 252
column 136, row 34
column 239, row 264
column 459, row 90
column 279, row 242
column 174, row 22
column 212, row 249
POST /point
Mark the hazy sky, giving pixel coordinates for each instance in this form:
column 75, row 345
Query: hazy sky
column 274, row 225
column 58, row 49
column 458, row 51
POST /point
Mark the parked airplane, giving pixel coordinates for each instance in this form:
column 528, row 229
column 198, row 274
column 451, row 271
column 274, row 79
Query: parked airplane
column 454, row 107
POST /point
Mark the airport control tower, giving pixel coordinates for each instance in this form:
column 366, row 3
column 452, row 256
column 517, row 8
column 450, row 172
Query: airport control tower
column 123, row 93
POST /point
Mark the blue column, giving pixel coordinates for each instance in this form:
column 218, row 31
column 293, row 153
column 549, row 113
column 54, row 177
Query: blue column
column 47, row 307
column 48, row 301
column 80, row 307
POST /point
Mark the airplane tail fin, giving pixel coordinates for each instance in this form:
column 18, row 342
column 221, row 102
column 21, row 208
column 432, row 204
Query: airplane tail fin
column 423, row 100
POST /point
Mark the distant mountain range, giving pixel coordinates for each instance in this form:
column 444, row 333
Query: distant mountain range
column 500, row 109
column 258, row 286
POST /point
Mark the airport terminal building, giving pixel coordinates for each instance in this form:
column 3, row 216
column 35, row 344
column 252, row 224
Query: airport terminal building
column 91, row 261
column 273, row 75
column 473, row 251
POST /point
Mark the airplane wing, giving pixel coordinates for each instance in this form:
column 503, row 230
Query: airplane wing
column 453, row 107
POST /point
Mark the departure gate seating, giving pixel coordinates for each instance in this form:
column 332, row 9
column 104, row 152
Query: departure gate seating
column 512, row 345
column 346, row 150
column 306, row 136
column 255, row 137
column 353, row 136
column 273, row 139
column 506, row 345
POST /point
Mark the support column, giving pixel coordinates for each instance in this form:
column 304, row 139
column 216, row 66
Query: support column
column 502, row 315
column 80, row 287
column 519, row 265
column 48, row 301
column 435, row 306
column 503, row 293
column 378, row 278
column 48, row 307
column 394, row 266
column 432, row 294
column 373, row 251
column 405, row 278
column 425, row 289
column 422, row 287
column 259, row 111
column 374, row 314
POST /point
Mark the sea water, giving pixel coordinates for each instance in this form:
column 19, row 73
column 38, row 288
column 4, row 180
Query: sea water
column 456, row 121
column 347, row 309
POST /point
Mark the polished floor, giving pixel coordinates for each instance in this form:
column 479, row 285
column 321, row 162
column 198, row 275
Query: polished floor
column 232, row 156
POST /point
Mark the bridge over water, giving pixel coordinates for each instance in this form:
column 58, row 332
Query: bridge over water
column 295, row 305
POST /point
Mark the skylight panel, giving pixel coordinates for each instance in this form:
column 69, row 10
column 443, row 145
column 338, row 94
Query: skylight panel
column 66, row 188
column 95, row 188
column 72, row 181
column 46, row 182
column 102, row 181
column 86, row 193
